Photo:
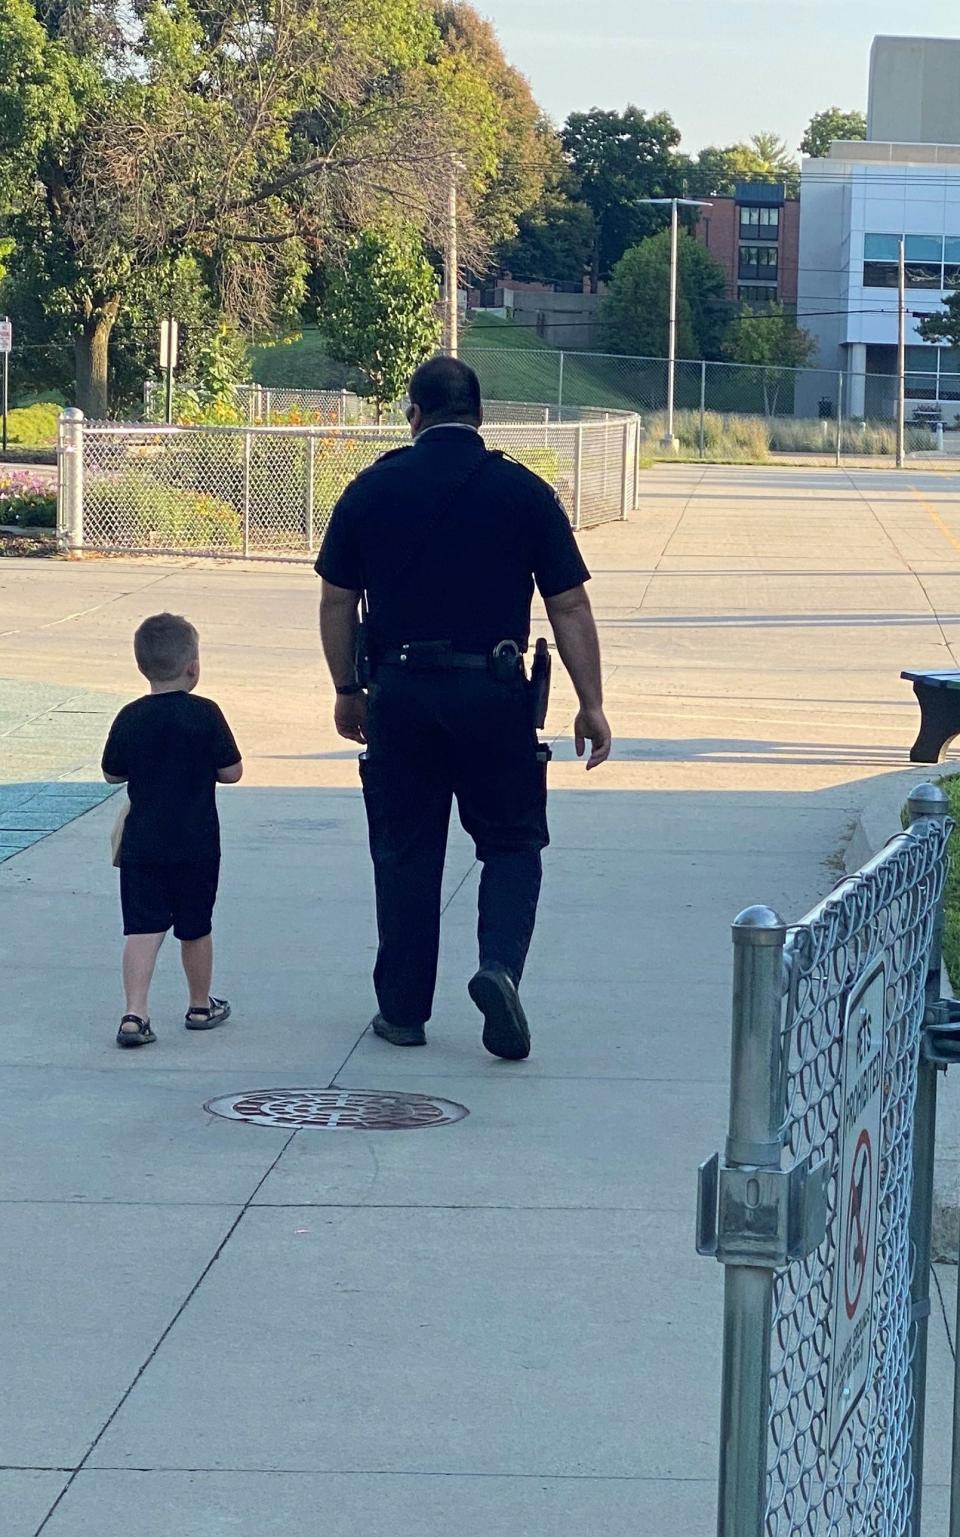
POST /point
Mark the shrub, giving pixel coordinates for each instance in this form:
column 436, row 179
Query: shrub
column 27, row 502
column 131, row 510
column 34, row 426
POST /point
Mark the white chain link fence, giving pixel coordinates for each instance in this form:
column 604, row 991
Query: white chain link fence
column 269, row 491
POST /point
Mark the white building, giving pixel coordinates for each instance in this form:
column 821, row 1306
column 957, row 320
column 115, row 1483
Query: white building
column 854, row 208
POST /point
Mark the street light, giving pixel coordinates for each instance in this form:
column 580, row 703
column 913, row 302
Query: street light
column 674, row 203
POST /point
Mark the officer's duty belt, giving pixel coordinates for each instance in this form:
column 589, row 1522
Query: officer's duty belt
column 425, row 655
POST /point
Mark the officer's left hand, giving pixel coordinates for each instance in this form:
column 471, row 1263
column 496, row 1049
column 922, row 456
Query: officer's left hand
column 350, row 717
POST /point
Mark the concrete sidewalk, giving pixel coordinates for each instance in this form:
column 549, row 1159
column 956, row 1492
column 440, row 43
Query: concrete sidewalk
column 497, row 1327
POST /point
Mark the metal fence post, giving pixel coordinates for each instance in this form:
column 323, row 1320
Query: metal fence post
column 703, row 406
column 839, row 415
column 308, row 492
column 578, row 476
column 247, row 453
column 625, row 472
column 70, row 477
column 636, row 461
column 560, row 390
column 343, row 408
column 929, row 802
column 753, row 1142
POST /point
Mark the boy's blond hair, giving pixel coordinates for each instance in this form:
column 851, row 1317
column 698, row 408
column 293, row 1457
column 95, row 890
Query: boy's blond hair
column 164, row 646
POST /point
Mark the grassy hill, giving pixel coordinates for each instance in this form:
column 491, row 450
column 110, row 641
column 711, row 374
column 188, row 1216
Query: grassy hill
column 299, row 362
column 513, row 362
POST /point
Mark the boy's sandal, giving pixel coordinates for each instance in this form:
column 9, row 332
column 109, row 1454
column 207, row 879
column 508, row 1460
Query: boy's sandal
column 208, row 1018
column 142, row 1036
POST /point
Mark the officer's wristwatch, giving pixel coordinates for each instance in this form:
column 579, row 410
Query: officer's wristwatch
column 347, row 690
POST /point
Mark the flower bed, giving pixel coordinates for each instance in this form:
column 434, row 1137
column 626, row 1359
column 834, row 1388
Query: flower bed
column 27, row 501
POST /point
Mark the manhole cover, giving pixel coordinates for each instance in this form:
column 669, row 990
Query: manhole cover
column 337, row 1109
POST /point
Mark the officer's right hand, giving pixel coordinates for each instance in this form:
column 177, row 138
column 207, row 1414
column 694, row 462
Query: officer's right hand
column 591, row 725
column 350, row 717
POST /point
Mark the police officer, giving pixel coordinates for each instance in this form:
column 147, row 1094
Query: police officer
column 441, row 544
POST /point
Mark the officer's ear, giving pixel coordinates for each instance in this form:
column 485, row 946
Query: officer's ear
column 414, row 416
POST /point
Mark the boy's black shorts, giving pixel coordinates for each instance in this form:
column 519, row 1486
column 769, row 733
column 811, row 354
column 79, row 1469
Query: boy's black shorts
column 154, row 897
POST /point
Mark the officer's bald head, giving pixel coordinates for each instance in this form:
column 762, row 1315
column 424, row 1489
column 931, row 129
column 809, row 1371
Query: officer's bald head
column 444, row 390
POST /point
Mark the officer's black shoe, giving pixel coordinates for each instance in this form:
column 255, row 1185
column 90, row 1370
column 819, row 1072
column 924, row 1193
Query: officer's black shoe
column 505, row 1029
column 398, row 1035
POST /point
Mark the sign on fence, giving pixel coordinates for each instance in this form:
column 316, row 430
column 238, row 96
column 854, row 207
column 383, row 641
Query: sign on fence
column 6, row 336
column 858, row 1197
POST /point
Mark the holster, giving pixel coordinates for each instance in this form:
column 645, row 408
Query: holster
column 539, row 684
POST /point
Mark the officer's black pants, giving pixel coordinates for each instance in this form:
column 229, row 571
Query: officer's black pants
column 432, row 736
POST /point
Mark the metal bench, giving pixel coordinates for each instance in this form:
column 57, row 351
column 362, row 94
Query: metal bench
column 938, row 694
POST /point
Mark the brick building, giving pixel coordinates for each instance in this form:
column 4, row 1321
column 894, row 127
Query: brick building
column 755, row 236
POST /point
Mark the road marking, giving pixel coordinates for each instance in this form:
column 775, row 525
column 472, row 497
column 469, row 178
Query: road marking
column 935, row 517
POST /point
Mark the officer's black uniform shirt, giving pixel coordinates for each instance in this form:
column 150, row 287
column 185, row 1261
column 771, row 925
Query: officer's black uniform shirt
column 460, row 570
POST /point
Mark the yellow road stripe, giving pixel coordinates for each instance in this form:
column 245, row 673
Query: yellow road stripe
column 935, row 517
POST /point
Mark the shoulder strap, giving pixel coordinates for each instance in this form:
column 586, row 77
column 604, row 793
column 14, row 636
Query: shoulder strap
column 444, row 504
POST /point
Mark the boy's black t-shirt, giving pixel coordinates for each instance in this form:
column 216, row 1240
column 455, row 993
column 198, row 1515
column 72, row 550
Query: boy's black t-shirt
column 169, row 748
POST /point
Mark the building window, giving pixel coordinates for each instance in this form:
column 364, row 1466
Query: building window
column 929, row 261
column 923, row 256
column 933, row 373
column 759, row 223
column 948, row 382
column 757, row 293
column 758, row 263
column 881, row 256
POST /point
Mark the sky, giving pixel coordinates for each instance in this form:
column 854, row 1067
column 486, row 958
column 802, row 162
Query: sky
column 723, row 69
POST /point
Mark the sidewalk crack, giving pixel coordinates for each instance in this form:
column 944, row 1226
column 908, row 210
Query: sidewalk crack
column 164, row 1335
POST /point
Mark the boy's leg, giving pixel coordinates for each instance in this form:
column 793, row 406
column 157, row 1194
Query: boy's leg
column 193, row 894
column 139, row 960
column 146, row 918
column 197, row 957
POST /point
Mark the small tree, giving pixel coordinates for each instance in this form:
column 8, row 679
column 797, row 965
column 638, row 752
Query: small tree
column 772, row 341
column 828, row 125
column 636, row 310
column 380, row 310
column 944, row 325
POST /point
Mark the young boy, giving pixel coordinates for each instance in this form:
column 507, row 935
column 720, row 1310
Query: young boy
column 172, row 750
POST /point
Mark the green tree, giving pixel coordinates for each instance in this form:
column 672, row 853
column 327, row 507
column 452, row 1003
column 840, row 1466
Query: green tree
column 380, row 312
column 251, row 137
column 619, row 158
column 764, row 157
column 944, row 324
column 771, row 341
column 832, row 123
column 554, row 238
column 636, row 311
column 506, row 143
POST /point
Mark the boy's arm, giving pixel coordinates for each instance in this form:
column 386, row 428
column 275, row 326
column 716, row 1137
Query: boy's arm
column 113, row 764
column 227, row 762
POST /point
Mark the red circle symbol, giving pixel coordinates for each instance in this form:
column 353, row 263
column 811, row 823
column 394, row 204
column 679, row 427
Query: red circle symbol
column 859, row 1220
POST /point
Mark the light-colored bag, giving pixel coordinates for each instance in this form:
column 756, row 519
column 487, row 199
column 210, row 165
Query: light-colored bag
column 116, row 837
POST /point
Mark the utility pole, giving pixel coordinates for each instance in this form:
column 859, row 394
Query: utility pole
column 670, row 440
column 901, row 353
column 450, row 266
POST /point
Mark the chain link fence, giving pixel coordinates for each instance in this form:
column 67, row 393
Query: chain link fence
column 731, row 411
column 270, row 491
column 821, row 1208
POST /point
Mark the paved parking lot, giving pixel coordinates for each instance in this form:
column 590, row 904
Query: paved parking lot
column 499, row 1326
